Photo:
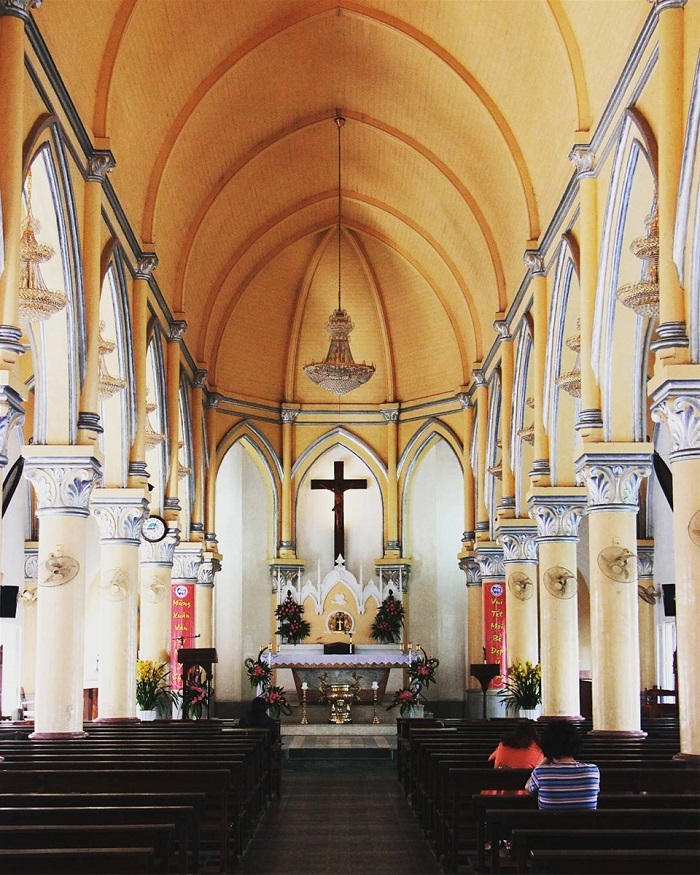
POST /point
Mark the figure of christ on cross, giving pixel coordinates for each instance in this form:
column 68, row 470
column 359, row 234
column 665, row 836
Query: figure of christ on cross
column 337, row 486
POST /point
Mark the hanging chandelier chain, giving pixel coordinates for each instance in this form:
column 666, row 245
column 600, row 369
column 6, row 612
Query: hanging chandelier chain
column 340, row 121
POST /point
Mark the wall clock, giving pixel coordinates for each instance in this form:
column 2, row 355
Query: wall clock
column 154, row 529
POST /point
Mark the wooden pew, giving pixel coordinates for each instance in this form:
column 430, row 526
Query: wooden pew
column 76, row 861
column 673, row 861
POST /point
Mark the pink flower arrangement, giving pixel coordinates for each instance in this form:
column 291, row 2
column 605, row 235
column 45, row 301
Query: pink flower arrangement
column 259, row 670
column 421, row 671
column 386, row 627
column 292, row 625
column 277, row 702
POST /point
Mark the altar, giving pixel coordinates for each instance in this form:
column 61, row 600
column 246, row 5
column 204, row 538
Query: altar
column 309, row 664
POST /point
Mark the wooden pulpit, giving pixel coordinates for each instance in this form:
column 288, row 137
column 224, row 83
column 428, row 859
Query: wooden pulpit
column 201, row 657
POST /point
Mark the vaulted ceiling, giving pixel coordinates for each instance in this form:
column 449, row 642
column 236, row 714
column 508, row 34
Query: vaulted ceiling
column 460, row 117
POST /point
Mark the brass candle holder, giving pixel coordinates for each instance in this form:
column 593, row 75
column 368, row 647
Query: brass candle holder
column 375, row 687
column 304, row 719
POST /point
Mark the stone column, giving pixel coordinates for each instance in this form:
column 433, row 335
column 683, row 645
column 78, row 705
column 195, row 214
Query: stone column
column 204, row 598
column 12, row 394
column 63, row 478
column 210, row 406
column 648, row 599
column 187, row 561
column 676, row 401
column 392, row 549
column 520, row 562
column 197, row 524
column 156, row 566
column 590, row 421
column 507, row 505
column 469, row 497
column 13, row 16
column 540, row 466
column 27, row 600
column 558, row 512
column 489, row 558
column 100, row 163
column 474, row 632
column 139, row 342
column 287, row 547
column 481, row 398
column 171, row 506
column 119, row 514
column 613, row 474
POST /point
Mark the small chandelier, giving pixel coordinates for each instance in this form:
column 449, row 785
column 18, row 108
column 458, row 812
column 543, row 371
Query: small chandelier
column 570, row 382
column 107, row 384
column 182, row 471
column 643, row 296
column 497, row 469
column 37, row 302
column 527, row 434
column 574, row 342
column 152, row 437
column 338, row 372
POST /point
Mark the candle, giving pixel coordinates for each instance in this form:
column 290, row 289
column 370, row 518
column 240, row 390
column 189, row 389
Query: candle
column 375, row 685
column 410, row 647
column 305, row 686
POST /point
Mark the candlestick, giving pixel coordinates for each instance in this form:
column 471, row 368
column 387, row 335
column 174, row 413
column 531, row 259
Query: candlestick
column 304, row 719
column 375, row 687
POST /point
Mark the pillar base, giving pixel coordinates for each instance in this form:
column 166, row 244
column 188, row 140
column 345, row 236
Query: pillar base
column 618, row 733
column 116, row 720
column 569, row 718
column 52, row 736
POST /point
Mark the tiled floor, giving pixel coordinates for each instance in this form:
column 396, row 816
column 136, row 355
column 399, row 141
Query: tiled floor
column 324, row 742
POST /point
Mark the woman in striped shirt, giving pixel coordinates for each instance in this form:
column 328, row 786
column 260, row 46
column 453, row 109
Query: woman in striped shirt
column 562, row 781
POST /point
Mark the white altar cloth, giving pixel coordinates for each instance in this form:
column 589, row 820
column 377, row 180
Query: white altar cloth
column 365, row 656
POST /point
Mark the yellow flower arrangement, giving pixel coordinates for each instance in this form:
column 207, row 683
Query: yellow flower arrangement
column 522, row 687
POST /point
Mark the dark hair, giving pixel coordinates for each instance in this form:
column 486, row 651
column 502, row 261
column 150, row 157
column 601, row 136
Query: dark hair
column 561, row 739
column 523, row 734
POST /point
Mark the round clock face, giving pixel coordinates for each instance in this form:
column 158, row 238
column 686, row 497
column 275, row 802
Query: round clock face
column 154, row 529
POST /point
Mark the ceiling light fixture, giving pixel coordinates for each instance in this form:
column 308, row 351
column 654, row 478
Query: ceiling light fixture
column 643, row 296
column 338, row 372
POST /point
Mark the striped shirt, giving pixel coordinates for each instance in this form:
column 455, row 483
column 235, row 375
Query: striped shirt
column 565, row 785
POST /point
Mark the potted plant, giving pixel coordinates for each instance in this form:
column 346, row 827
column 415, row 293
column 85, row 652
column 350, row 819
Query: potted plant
column 386, row 628
column 522, row 688
column 153, row 694
column 293, row 628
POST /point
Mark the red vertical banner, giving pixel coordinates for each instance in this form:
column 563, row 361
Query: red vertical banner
column 181, row 627
column 495, row 627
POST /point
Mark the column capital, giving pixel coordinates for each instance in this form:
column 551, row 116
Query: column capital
column 11, row 410
column 518, row 539
column 31, row 560
column 490, row 559
column 557, row 512
column 285, row 574
column 479, row 376
column 390, row 412
column 393, row 575
column 675, row 400
column 534, row 262
column 465, row 400
column 645, row 560
column 18, row 8
column 289, row 412
column 119, row 514
column 213, row 400
column 470, row 567
column 161, row 553
column 613, row 474
column 208, row 569
column 584, row 160
column 100, row 163
column 187, row 558
column 177, row 329
column 198, row 378
column 63, row 478
column 147, row 263
column 661, row 5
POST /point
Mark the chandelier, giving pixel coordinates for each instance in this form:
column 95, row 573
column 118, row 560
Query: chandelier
column 643, row 296
column 338, row 372
column 37, row 302
column 106, row 383
column 182, row 471
column 571, row 380
column 527, row 433
column 497, row 469
column 152, row 437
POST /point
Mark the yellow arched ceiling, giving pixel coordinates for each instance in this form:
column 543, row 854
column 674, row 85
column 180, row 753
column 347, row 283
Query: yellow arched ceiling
column 460, row 117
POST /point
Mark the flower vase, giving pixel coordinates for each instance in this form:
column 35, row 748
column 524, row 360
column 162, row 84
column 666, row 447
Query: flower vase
column 416, row 711
column 529, row 713
column 145, row 716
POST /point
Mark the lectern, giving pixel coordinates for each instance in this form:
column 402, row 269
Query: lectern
column 485, row 672
column 202, row 657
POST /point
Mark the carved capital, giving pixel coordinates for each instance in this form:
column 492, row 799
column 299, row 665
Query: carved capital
column 464, row 399
column 660, row 5
column 393, row 577
column 100, row 163
column 390, row 414
column 213, row 400
column 558, row 518
column 479, row 377
column 147, row 263
column 502, row 328
column 583, row 159
column 62, row 483
column 534, row 262
column 613, row 480
column 470, row 567
column 645, row 560
column 161, row 553
column 177, row 329
column 208, row 569
column 11, row 416
column 31, row 563
column 284, row 577
column 519, row 542
column 491, row 562
column 19, row 8
column 186, row 560
column 199, row 377
column 680, row 410
column 289, row 414
column 119, row 515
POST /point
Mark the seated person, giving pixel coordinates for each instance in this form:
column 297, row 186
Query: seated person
column 562, row 781
column 519, row 749
column 258, row 718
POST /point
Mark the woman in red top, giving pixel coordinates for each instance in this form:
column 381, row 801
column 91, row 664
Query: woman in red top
column 519, row 749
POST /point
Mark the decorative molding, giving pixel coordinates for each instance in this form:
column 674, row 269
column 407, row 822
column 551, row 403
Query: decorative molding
column 288, row 414
column 540, row 468
column 613, row 479
column 670, row 335
column 677, row 403
column 31, row 563
column 147, row 263
column 172, row 502
column 187, row 559
column 479, row 377
column 99, row 164
column 63, row 485
column 199, row 377
column 588, row 419
column 177, row 329
column 558, row 518
column 491, row 562
column 18, row 8
column 584, row 160
column 519, row 543
column 138, row 469
column 393, row 545
column 11, row 416
column 285, row 577
column 470, row 567
column 161, row 553
column 10, row 334
column 89, row 421
column 502, row 328
column 464, row 399
column 213, row 400
column 390, row 414
column 534, row 262
column 645, row 560
column 208, row 569
column 119, row 518
column 394, row 577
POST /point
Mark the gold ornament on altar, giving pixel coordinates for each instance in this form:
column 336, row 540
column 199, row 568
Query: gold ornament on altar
column 37, row 302
column 340, row 697
column 340, row 622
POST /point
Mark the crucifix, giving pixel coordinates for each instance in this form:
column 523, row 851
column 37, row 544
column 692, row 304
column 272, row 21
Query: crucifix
column 337, row 486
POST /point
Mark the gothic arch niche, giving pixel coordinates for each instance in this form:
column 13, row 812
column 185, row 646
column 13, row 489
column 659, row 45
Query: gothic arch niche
column 156, row 425
column 363, row 512
column 243, row 620
column 57, row 344
column 522, row 437
column 185, row 471
column 617, row 329
column 437, row 597
column 494, row 452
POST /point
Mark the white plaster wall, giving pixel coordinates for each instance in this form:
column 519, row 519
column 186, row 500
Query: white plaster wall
column 437, row 591
column 242, row 596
